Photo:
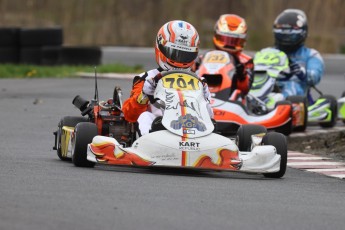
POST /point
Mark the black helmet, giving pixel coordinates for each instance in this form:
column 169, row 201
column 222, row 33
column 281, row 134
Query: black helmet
column 290, row 30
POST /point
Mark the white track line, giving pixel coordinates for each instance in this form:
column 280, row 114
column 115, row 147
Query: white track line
column 310, row 163
column 303, row 158
column 341, row 176
column 314, row 163
column 327, row 170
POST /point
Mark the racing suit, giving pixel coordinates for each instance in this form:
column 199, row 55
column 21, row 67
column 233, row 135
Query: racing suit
column 244, row 75
column 137, row 108
column 306, row 69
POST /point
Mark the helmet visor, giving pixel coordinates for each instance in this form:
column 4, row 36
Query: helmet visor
column 178, row 53
column 227, row 41
column 289, row 37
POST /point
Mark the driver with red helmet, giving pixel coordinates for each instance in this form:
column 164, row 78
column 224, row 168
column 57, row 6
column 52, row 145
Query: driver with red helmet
column 230, row 34
column 176, row 48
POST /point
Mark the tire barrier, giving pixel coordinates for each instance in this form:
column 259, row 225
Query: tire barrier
column 30, row 55
column 9, row 55
column 80, row 55
column 9, row 45
column 41, row 37
column 33, row 42
column 50, row 55
column 43, row 46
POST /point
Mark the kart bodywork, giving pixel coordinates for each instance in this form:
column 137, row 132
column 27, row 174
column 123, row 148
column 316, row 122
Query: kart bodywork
column 271, row 67
column 184, row 137
column 230, row 111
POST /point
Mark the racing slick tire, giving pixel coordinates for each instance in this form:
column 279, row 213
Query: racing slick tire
column 334, row 112
column 279, row 141
column 244, row 135
column 70, row 121
column 298, row 100
column 285, row 129
column 84, row 133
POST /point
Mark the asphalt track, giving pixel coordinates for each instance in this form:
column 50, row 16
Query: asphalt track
column 38, row 191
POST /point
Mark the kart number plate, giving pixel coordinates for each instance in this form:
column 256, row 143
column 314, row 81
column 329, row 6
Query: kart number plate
column 217, row 58
column 181, row 82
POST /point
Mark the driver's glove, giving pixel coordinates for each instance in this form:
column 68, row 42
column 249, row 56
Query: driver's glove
column 284, row 76
column 206, row 90
column 148, row 89
column 207, row 96
column 149, row 86
column 240, row 71
column 298, row 70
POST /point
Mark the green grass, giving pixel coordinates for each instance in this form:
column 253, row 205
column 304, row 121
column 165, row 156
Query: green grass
column 64, row 71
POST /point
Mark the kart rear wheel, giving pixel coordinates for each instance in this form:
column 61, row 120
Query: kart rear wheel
column 84, row 133
column 279, row 141
column 286, row 129
column 304, row 101
column 244, row 135
column 334, row 112
column 69, row 121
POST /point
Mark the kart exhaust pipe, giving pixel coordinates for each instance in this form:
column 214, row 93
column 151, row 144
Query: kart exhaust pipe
column 80, row 103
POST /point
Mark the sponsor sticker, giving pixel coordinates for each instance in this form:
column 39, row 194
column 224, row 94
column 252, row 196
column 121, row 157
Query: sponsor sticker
column 188, row 131
column 189, row 146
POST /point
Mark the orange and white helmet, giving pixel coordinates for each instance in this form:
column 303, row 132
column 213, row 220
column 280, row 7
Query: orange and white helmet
column 230, row 33
column 176, row 45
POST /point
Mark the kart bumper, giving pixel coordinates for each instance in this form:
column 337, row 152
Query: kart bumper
column 218, row 153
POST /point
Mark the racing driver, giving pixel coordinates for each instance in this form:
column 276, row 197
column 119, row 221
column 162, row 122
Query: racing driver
column 230, row 32
column 177, row 47
column 290, row 30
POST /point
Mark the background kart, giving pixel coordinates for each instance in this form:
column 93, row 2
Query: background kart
column 105, row 116
column 184, row 137
column 217, row 67
column 271, row 66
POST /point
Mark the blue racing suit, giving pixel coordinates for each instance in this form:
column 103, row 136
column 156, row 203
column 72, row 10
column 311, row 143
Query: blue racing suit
column 306, row 69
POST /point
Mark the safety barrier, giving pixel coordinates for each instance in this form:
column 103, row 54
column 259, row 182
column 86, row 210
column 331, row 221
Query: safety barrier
column 43, row 46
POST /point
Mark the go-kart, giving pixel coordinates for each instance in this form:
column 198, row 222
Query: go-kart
column 217, row 67
column 184, row 137
column 105, row 116
column 271, row 66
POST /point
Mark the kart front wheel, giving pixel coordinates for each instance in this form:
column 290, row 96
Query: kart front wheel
column 333, row 112
column 279, row 141
column 244, row 135
column 84, row 133
column 70, row 121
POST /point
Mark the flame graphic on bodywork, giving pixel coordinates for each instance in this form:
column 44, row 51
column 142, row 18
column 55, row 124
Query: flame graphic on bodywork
column 228, row 159
column 105, row 153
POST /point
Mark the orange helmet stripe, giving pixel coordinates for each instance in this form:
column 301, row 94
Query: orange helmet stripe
column 172, row 33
